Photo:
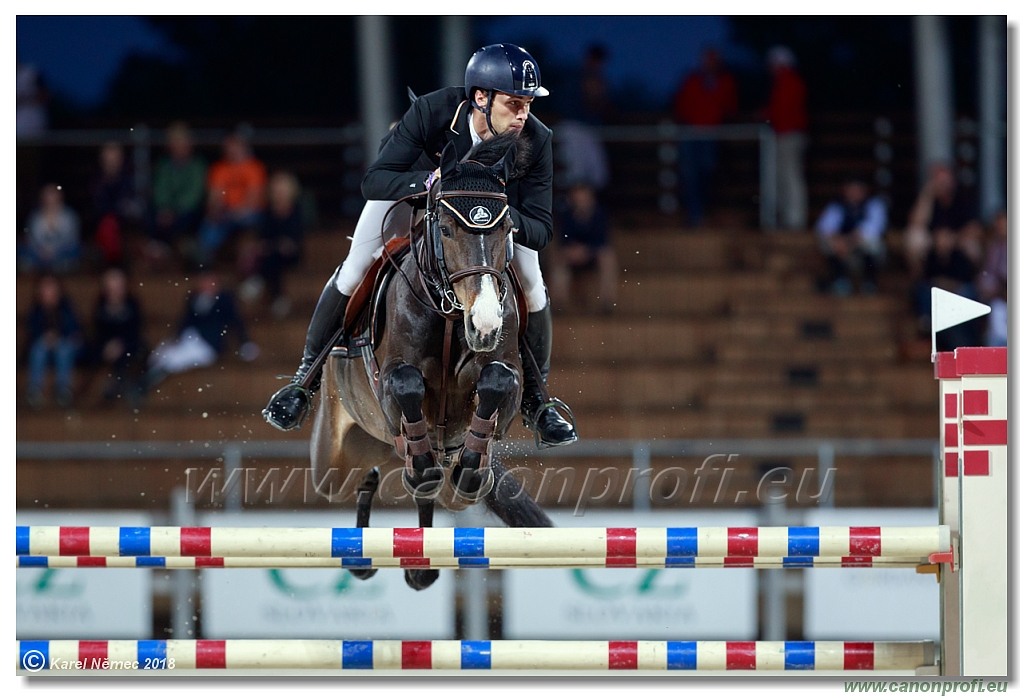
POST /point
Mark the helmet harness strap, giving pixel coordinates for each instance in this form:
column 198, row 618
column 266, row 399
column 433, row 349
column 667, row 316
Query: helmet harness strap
column 486, row 109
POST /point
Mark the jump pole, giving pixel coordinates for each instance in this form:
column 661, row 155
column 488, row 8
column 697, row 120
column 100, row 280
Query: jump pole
column 55, row 656
column 618, row 547
column 195, row 563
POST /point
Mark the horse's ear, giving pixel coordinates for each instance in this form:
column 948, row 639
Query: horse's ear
column 449, row 161
column 504, row 168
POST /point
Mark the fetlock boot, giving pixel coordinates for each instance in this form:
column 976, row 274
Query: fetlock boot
column 290, row 405
column 540, row 412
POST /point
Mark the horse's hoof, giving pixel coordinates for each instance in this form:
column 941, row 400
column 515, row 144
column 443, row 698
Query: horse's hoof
column 418, row 579
column 363, row 574
column 473, row 484
column 426, row 485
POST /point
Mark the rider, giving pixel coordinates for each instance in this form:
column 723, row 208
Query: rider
column 501, row 83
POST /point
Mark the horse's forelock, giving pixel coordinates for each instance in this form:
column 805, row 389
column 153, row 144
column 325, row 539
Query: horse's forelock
column 493, row 150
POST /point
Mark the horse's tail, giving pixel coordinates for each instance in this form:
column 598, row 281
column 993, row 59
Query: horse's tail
column 510, row 501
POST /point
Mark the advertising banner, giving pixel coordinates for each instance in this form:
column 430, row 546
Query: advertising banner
column 84, row 603
column 322, row 603
column 881, row 604
column 634, row 603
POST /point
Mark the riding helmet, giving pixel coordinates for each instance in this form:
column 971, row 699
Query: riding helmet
column 505, row 68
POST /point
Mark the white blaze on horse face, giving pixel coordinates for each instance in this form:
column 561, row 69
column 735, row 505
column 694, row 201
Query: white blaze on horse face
column 487, row 308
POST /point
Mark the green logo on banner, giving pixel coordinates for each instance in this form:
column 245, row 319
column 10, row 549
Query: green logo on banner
column 342, row 585
column 651, row 583
column 56, row 583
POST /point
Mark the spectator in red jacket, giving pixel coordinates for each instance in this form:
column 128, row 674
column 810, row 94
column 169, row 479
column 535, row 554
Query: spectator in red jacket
column 786, row 112
column 707, row 97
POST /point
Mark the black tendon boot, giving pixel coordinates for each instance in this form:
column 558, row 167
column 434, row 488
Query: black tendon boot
column 539, row 410
column 290, row 405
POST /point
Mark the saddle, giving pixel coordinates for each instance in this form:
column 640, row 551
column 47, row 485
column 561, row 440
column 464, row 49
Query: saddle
column 365, row 314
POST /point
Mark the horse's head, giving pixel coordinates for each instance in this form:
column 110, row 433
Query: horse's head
column 470, row 231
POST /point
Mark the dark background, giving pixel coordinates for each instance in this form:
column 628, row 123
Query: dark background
column 303, row 71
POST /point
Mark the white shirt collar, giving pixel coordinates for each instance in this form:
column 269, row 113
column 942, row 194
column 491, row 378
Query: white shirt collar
column 472, row 131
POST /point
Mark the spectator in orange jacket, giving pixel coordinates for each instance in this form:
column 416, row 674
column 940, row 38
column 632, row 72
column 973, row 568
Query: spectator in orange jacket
column 236, row 192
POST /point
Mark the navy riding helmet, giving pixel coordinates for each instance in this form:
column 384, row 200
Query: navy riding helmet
column 503, row 68
column 506, row 68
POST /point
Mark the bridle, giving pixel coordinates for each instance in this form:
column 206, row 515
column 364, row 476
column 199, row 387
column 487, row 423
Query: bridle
column 436, row 280
column 474, row 223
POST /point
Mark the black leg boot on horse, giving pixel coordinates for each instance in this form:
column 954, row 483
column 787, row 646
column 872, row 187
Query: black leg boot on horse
column 290, row 405
column 540, row 411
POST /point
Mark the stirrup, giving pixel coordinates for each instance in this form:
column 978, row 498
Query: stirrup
column 531, row 422
column 306, row 394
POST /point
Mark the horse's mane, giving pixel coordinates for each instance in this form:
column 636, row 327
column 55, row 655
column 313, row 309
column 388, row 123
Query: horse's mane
column 492, row 150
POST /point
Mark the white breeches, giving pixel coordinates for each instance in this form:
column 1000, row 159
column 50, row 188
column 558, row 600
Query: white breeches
column 367, row 245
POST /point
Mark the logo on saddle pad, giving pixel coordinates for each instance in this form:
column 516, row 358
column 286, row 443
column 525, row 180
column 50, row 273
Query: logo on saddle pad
column 480, row 215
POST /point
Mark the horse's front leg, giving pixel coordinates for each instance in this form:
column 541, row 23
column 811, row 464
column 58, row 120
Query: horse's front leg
column 419, row 579
column 423, row 477
column 404, row 391
column 496, row 389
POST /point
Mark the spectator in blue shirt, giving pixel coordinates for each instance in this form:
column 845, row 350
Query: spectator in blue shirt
column 851, row 232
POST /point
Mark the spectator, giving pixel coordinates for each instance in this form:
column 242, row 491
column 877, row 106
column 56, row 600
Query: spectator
column 179, row 191
column 707, row 97
column 117, row 344
column 53, row 239
column 787, row 114
column 947, row 267
column 579, row 150
column 581, row 156
column 992, row 282
column 236, row 190
column 595, row 96
column 54, row 340
column 31, row 122
column 941, row 203
column 851, row 232
column 32, row 97
column 211, row 314
column 280, row 244
column 583, row 244
column 114, row 203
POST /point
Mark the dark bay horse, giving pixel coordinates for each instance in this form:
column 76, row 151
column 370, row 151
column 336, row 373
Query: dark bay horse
column 428, row 398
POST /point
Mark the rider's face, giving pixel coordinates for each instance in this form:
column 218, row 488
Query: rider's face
column 507, row 111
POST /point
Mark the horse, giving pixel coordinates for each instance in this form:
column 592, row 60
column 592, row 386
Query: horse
column 427, row 392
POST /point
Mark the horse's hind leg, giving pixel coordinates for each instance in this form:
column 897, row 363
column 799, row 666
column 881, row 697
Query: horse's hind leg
column 472, row 476
column 510, row 501
column 364, row 501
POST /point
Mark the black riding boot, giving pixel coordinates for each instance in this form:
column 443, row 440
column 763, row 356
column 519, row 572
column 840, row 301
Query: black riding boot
column 290, row 405
column 540, row 411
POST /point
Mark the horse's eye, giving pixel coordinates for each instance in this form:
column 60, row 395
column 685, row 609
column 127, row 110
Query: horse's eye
column 445, row 231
